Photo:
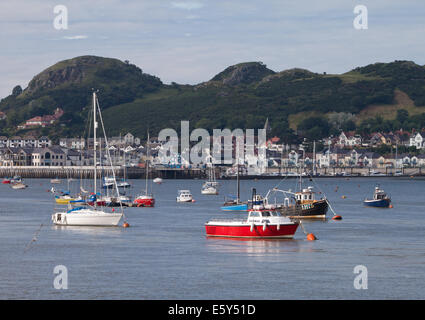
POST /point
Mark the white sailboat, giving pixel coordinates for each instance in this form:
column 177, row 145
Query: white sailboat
column 210, row 187
column 91, row 216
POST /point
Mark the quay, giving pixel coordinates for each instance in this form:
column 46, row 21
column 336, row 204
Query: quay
column 86, row 172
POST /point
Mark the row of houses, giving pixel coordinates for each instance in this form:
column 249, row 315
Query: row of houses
column 25, row 142
column 351, row 139
column 347, row 158
column 59, row 156
column 118, row 141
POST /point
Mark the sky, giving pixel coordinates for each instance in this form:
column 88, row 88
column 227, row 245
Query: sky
column 190, row 41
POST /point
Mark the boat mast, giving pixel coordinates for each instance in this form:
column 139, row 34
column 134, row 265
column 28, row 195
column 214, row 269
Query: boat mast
column 238, row 183
column 94, row 144
column 314, row 157
column 147, row 164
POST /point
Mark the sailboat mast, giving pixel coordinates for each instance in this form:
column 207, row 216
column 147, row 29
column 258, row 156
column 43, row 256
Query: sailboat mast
column 94, row 142
column 147, row 164
column 314, row 157
column 238, row 183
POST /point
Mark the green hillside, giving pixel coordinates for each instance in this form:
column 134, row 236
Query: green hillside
column 241, row 96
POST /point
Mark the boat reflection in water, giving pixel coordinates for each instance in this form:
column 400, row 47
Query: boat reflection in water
column 259, row 247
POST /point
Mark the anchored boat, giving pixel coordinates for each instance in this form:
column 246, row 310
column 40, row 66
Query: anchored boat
column 146, row 198
column 260, row 224
column 299, row 205
column 184, row 196
column 380, row 199
column 93, row 215
column 234, row 203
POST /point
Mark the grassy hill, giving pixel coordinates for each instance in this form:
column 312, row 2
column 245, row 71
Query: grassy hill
column 241, row 96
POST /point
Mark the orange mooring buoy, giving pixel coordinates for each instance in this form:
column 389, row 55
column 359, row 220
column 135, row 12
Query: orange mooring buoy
column 311, row 237
column 193, row 200
column 336, row 217
column 391, row 206
column 343, row 197
column 125, row 225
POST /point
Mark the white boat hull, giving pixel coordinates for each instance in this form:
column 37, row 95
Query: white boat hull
column 86, row 218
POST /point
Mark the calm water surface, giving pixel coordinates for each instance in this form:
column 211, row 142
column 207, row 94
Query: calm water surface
column 165, row 254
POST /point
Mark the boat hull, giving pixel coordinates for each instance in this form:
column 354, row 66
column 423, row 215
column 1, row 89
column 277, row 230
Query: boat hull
column 254, row 232
column 315, row 210
column 382, row 203
column 149, row 202
column 87, row 219
column 64, row 201
column 235, row 207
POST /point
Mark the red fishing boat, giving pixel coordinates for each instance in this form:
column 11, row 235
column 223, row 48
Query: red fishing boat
column 260, row 224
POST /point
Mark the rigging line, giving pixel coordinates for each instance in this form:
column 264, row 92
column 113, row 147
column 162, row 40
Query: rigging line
column 110, row 160
column 326, row 198
column 34, row 238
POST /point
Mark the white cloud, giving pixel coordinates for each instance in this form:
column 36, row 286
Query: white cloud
column 187, row 5
column 78, row 37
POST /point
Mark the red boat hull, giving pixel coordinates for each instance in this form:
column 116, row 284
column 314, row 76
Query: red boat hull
column 271, row 231
column 6, row 182
column 145, row 202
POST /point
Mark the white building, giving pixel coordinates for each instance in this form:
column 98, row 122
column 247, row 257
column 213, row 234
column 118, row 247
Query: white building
column 417, row 140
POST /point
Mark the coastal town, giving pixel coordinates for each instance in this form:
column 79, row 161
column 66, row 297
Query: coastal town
column 379, row 153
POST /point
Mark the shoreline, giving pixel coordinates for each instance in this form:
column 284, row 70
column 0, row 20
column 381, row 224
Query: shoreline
column 172, row 173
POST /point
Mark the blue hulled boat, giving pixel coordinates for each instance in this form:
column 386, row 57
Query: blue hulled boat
column 380, row 199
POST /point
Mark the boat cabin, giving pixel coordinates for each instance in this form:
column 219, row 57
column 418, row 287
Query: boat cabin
column 184, row 195
column 379, row 194
column 305, row 196
column 264, row 214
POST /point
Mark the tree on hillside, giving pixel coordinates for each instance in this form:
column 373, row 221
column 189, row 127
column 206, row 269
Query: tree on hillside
column 314, row 128
column 17, row 91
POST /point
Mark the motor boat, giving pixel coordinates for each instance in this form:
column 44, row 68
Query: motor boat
column 380, row 199
column 157, row 180
column 260, row 224
column 184, row 196
column 18, row 185
column 298, row 205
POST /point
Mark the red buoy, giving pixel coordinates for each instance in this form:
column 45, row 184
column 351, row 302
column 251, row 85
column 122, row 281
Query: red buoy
column 125, row 225
column 336, row 217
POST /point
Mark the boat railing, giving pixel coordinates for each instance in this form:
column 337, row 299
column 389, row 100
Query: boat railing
column 227, row 220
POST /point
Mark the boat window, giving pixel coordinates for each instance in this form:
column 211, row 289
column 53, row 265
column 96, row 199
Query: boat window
column 254, row 214
column 275, row 213
column 266, row 214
